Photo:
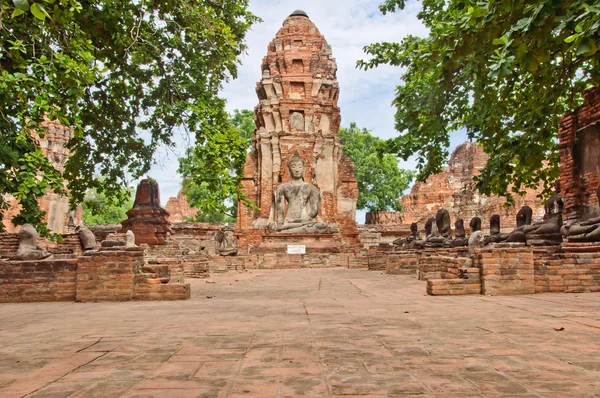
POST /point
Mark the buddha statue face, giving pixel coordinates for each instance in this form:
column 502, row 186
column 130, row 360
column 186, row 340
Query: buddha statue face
column 296, row 167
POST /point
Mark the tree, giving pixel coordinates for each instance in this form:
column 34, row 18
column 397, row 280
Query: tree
column 505, row 71
column 243, row 120
column 123, row 76
column 380, row 181
column 218, row 203
column 98, row 209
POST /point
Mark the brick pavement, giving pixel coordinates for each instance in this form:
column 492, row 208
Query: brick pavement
column 309, row 332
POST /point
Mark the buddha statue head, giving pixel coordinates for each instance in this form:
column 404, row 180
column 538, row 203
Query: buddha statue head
column 296, row 167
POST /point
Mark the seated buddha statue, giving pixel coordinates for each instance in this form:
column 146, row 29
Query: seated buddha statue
column 441, row 235
column 546, row 232
column 302, row 201
column 585, row 231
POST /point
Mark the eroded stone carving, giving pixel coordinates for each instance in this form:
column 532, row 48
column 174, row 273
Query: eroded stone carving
column 227, row 242
column 413, row 239
column 459, row 234
column 546, row 232
column 130, row 239
column 441, row 232
column 302, row 202
column 87, row 238
column 477, row 238
column 28, row 246
column 585, row 231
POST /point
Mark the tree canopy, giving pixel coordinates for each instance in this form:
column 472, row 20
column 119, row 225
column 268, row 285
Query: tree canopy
column 503, row 70
column 218, row 203
column 98, row 209
column 124, row 76
column 380, row 181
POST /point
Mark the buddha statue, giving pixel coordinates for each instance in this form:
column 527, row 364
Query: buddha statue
column 476, row 238
column 29, row 249
column 302, row 202
column 429, row 227
column 585, row 231
column 495, row 236
column 227, row 242
column 414, row 236
column 459, row 234
column 441, row 235
column 543, row 233
column 523, row 218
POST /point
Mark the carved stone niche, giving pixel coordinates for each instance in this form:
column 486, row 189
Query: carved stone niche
column 297, row 122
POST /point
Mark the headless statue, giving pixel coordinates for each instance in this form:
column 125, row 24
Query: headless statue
column 459, row 234
column 414, row 237
column 495, row 235
column 28, row 246
column 227, row 242
column 546, row 232
column 441, row 234
column 523, row 218
column 585, row 231
column 302, row 202
column 476, row 238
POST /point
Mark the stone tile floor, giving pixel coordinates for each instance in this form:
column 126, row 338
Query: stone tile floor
column 305, row 333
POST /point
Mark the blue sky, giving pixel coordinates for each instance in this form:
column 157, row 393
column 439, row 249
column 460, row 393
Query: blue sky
column 348, row 25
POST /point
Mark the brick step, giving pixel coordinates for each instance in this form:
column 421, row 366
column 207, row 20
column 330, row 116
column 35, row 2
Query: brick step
column 157, row 281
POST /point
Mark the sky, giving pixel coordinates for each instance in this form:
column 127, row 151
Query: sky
column 348, row 26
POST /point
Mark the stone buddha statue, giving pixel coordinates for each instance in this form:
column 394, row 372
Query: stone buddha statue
column 460, row 236
column 227, row 242
column 585, row 231
column 28, row 245
column 495, row 235
column 476, row 238
column 543, row 233
column 410, row 240
column 302, row 202
column 441, row 234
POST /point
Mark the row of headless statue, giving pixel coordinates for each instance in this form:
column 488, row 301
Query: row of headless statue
column 29, row 248
column 547, row 232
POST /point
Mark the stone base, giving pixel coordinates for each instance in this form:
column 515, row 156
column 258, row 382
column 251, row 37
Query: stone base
column 287, row 261
column 576, row 247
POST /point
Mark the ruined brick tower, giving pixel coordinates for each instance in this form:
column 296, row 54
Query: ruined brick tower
column 298, row 111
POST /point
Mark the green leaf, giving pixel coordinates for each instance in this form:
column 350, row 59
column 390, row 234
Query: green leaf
column 584, row 48
column 572, row 38
column 500, row 41
column 22, row 5
column 16, row 12
column 38, row 11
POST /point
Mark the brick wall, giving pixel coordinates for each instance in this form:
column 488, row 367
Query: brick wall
column 506, row 271
column 45, row 280
column 567, row 272
column 579, row 148
column 108, row 275
column 69, row 247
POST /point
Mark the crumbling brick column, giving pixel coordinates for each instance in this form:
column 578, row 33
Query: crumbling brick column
column 579, row 147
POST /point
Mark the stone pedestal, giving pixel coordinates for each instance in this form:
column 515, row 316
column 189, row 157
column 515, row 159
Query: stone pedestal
column 147, row 220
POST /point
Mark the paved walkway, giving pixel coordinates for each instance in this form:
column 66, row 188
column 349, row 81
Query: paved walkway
column 311, row 333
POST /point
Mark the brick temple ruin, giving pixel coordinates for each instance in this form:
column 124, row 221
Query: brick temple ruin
column 59, row 217
column 305, row 195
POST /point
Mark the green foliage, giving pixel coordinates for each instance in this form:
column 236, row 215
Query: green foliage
column 380, row 181
column 98, row 209
column 111, row 70
column 205, row 193
column 227, row 213
column 505, row 71
column 244, row 121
